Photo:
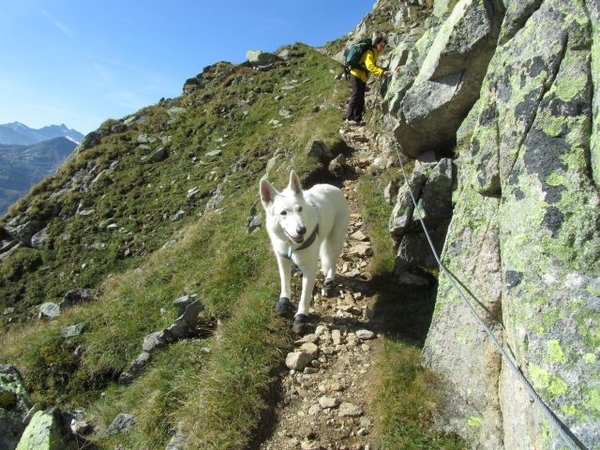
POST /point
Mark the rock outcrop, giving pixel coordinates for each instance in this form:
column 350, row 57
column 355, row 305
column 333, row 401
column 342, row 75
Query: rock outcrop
column 48, row 430
column 450, row 63
column 14, row 406
column 514, row 86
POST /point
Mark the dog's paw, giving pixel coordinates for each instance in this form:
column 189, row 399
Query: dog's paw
column 283, row 307
column 300, row 324
column 328, row 289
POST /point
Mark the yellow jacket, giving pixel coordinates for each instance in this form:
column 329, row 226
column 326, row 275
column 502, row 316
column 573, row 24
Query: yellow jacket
column 369, row 61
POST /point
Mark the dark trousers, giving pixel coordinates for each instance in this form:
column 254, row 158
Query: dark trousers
column 356, row 105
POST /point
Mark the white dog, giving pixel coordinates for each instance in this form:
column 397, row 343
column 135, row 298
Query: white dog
column 304, row 225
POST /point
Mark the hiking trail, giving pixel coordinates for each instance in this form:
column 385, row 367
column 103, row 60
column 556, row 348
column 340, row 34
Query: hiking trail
column 324, row 406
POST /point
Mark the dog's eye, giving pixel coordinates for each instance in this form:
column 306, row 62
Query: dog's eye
column 283, row 213
column 298, row 208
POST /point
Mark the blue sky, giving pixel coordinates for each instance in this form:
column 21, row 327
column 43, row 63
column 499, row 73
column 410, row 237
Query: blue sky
column 80, row 62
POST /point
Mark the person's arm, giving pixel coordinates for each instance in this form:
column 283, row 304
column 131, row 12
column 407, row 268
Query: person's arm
column 371, row 66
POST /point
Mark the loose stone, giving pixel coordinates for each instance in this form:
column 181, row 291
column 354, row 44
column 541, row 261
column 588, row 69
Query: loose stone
column 365, row 335
column 350, row 410
column 297, row 360
column 328, row 402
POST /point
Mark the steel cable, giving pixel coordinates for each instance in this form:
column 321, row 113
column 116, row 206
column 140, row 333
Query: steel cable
column 566, row 434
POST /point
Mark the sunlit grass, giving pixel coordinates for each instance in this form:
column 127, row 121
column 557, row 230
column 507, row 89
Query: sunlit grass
column 375, row 213
column 403, row 399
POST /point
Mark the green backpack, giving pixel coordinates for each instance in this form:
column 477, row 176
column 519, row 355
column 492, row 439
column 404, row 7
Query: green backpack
column 354, row 52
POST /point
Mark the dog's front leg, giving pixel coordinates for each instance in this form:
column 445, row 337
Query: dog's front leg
column 308, row 283
column 284, row 307
column 301, row 317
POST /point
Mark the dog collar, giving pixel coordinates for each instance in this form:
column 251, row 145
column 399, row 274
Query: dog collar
column 307, row 243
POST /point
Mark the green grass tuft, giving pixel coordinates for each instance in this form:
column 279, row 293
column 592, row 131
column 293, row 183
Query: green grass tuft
column 405, row 397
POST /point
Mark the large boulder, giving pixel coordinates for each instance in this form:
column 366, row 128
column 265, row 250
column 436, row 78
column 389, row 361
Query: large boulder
column 431, row 106
column 22, row 228
column 48, row 430
column 261, row 60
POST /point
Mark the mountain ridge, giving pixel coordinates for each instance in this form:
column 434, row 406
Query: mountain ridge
column 22, row 166
column 17, row 133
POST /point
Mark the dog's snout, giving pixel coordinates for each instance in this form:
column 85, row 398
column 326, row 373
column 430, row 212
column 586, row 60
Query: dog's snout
column 301, row 230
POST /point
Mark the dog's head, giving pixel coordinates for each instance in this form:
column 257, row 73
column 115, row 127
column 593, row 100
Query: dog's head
column 286, row 209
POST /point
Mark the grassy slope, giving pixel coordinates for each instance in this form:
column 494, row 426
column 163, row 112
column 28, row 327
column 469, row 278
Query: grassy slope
column 217, row 389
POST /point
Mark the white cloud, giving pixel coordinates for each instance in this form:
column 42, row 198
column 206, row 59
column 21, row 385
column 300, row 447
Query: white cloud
column 104, row 73
column 62, row 27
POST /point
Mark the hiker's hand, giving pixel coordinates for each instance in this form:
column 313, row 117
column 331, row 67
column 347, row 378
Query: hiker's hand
column 389, row 73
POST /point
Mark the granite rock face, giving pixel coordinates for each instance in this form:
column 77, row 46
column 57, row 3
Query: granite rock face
column 525, row 232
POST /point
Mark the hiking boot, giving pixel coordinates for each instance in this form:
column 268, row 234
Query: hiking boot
column 328, row 289
column 300, row 326
column 283, row 307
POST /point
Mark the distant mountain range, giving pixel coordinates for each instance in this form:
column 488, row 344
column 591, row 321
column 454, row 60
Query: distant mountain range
column 28, row 155
column 18, row 134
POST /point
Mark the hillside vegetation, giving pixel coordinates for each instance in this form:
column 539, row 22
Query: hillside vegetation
column 153, row 207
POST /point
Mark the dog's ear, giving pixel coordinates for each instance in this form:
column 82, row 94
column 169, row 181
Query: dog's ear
column 294, row 185
column 267, row 192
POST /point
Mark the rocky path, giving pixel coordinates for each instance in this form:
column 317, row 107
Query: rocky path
column 324, row 399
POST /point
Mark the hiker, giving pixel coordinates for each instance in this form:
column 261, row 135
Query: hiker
column 359, row 75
